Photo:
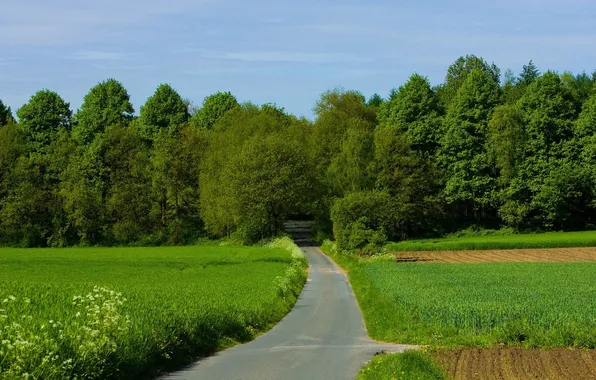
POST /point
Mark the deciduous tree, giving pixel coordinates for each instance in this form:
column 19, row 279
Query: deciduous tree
column 108, row 103
column 165, row 109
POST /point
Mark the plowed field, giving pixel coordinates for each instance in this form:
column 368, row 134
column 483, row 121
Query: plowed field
column 548, row 255
column 518, row 364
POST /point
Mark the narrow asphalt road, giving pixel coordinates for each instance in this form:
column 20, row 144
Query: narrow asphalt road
column 323, row 337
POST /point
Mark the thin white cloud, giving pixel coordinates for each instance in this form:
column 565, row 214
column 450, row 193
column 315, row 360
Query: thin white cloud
column 288, row 57
column 96, row 55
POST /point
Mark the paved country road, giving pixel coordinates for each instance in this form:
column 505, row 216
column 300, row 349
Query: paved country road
column 323, row 337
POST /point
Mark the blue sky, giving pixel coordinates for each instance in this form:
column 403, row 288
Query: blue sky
column 283, row 52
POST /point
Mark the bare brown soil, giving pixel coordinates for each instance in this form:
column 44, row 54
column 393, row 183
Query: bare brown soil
column 518, row 364
column 548, row 255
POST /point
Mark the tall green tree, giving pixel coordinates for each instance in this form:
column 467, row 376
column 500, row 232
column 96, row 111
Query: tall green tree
column 350, row 169
column 459, row 71
column 175, row 163
column 128, row 196
column 32, row 212
column 414, row 109
column 585, row 125
column 470, row 182
column 214, row 107
column 581, row 87
column 411, row 180
column 165, row 109
column 529, row 74
column 108, row 103
column 547, row 112
column 12, row 147
column 43, row 118
column 5, row 115
column 335, row 111
column 506, row 139
column 253, row 173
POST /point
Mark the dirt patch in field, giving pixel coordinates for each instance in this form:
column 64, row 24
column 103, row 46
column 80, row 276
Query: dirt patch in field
column 547, row 255
column 518, row 364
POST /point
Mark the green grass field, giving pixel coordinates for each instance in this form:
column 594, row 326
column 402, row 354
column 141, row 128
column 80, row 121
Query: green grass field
column 130, row 312
column 523, row 304
column 544, row 240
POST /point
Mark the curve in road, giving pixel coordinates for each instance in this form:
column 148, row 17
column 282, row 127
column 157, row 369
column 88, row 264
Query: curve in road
column 323, row 337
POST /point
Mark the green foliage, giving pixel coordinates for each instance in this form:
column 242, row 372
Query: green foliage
column 350, row 169
column 546, row 177
column 469, row 152
column 105, row 105
column 336, row 111
column 164, row 110
column 548, row 113
column 586, row 122
column 529, row 74
column 5, row 115
column 155, row 308
column 360, row 238
column 505, row 140
column 375, row 101
column 12, row 146
column 459, row 71
column 254, row 174
column 31, row 212
column 43, row 118
column 410, row 365
column 469, row 176
column 412, row 182
column 581, row 86
column 414, row 110
column 361, row 220
column 214, row 107
column 175, row 183
column 501, row 239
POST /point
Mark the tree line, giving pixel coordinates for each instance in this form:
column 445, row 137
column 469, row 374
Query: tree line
column 480, row 150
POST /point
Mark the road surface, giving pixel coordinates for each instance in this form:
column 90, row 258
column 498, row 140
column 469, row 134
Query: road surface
column 323, row 337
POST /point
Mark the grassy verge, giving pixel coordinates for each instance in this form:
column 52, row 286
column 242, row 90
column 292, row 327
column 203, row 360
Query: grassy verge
column 132, row 312
column 410, row 365
column 544, row 240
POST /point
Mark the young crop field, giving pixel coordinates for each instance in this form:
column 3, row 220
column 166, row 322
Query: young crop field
column 130, row 312
column 516, row 241
column 509, row 318
column 529, row 304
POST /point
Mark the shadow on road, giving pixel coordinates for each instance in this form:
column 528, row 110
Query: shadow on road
column 299, row 230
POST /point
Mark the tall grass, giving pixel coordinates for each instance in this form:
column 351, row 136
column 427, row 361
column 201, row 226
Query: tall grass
column 543, row 240
column 132, row 312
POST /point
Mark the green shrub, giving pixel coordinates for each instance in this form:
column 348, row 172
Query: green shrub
column 358, row 237
column 363, row 220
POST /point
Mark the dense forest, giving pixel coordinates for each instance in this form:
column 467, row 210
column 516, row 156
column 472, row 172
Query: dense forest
column 480, row 150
